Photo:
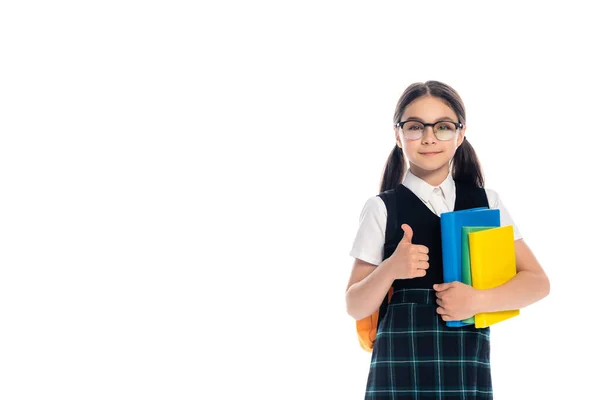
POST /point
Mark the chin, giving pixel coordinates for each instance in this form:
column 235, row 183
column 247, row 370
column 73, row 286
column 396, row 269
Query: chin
column 429, row 167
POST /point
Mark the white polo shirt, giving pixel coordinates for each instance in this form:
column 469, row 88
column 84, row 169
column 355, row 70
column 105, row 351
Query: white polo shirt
column 370, row 237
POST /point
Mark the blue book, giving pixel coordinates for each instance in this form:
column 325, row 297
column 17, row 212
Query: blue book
column 452, row 224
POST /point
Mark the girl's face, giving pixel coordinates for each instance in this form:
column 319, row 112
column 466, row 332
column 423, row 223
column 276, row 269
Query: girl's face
column 428, row 155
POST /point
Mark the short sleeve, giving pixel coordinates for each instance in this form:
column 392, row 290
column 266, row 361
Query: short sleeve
column 370, row 237
column 495, row 202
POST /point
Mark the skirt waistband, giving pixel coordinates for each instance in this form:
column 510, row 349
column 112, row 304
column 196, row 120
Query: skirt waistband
column 419, row 296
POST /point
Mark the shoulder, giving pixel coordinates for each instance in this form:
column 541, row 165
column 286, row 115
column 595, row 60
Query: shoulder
column 495, row 202
column 374, row 206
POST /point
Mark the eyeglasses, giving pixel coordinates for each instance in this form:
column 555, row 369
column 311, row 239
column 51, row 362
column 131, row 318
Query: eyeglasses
column 443, row 130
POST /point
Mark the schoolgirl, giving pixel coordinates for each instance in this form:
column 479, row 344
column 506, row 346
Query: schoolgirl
column 415, row 354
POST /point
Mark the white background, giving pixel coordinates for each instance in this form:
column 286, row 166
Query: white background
column 181, row 184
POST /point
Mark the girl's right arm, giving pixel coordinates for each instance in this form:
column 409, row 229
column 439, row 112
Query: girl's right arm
column 369, row 283
column 367, row 287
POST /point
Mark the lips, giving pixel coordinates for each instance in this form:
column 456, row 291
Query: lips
column 431, row 153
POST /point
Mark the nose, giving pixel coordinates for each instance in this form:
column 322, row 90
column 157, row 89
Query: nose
column 428, row 135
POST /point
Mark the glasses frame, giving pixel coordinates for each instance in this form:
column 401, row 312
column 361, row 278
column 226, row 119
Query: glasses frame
column 457, row 126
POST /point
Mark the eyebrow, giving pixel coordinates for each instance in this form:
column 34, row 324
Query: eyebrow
column 422, row 120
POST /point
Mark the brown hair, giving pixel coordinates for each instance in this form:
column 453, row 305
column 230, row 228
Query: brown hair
column 465, row 164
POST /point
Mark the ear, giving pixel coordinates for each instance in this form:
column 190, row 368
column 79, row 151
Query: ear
column 461, row 136
column 397, row 135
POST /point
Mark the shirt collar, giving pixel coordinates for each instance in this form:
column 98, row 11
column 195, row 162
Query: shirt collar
column 424, row 190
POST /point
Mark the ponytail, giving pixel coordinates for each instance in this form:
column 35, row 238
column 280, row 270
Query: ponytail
column 466, row 167
column 394, row 170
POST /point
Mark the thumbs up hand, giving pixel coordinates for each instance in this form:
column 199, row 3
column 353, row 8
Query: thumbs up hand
column 409, row 260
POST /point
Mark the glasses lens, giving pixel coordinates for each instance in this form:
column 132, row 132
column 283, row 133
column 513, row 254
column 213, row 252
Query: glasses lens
column 413, row 130
column 444, row 130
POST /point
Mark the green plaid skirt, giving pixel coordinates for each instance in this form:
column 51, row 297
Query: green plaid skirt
column 416, row 356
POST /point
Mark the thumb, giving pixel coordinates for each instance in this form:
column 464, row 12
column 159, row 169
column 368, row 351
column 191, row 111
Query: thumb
column 439, row 287
column 408, row 234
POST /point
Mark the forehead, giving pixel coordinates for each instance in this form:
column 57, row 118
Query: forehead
column 429, row 109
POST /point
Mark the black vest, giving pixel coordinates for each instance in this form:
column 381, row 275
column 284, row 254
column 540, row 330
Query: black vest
column 404, row 207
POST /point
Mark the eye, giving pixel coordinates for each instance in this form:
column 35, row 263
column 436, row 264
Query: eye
column 413, row 126
column 445, row 126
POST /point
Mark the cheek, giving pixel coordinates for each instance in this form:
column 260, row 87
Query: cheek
column 450, row 153
column 451, row 146
column 411, row 145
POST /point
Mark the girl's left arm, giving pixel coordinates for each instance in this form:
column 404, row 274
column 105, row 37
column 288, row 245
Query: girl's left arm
column 529, row 285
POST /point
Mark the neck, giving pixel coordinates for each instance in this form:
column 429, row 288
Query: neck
column 434, row 178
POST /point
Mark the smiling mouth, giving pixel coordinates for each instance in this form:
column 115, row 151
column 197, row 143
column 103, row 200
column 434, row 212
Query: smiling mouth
column 431, row 153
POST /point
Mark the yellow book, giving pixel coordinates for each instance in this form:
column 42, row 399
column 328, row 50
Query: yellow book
column 493, row 263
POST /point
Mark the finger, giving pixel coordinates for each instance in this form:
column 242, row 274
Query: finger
column 419, row 273
column 438, row 287
column 443, row 286
column 422, row 257
column 439, row 302
column 441, row 311
column 422, row 265
column 408, row 234
column 422, row 249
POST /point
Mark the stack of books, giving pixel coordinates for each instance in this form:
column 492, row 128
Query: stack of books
column 478, row 252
